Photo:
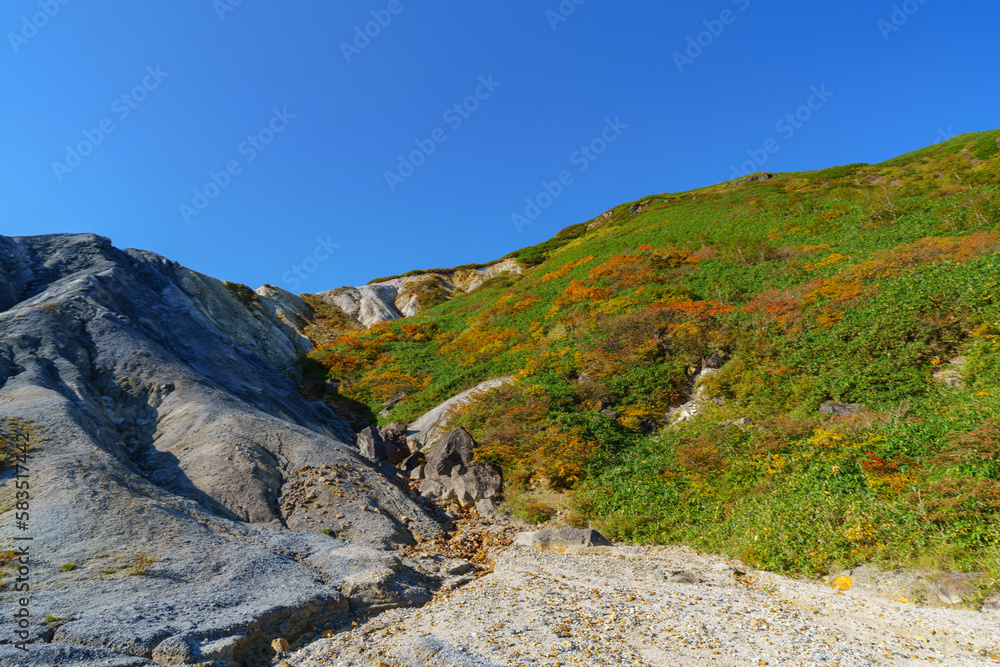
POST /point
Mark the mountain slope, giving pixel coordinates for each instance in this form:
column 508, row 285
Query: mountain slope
column 167, row 443
column 859, row 284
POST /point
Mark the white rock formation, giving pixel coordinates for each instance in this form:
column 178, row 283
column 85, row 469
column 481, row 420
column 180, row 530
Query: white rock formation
column 399, row 297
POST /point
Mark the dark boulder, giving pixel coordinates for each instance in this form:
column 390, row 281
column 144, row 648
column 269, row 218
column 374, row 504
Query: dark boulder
column 451, row 451
column 372, row 445
column 394, row 435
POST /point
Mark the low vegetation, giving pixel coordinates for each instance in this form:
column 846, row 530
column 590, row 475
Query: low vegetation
column 870, row 284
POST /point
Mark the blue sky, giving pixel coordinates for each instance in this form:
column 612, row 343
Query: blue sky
column 252, row 141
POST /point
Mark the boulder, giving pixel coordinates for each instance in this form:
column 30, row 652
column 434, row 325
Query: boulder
column 955, row 587
column 372, row 445
column 394, row 435
column 715, row 360
column 479, row 481
column 991, row 605
column 453, row 450
column 561, row 539
column 412, row 462
column 681, row 577
column 839, row 409
column 413, row 445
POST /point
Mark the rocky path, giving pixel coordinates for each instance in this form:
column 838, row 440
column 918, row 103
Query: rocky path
column 654, row 606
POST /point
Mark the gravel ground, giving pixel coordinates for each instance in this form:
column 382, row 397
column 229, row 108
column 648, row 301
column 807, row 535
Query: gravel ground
column 616, row 606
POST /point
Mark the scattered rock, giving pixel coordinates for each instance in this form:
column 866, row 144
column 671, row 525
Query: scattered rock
column 991, row 605
column 954, row 587
column 755, row 178
column 601, row 219
column 681, row 577
column 840, row 409
column 950, row 374
column 610, row 414
column 561, row 539
column 638, row 207
column 417, row 473
column 413, row 445
column 715, row 360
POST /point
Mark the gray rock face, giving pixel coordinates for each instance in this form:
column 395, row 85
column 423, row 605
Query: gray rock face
column 839, row 409
column 175, row 437
column 373, row 445
column 399, row 297
column 561, row 539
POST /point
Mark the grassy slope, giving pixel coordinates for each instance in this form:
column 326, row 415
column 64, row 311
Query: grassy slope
column 853, row 283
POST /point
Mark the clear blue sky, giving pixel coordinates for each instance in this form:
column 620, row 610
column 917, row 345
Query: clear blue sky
column 183, row 86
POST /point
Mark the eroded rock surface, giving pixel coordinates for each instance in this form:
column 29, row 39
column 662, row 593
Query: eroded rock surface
column 176, row 445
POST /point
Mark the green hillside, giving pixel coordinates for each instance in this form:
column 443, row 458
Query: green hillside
column 856, row 283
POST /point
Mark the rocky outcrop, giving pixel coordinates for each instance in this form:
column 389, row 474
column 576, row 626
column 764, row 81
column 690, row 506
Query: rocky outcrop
column 839, row 408
column 178, row 450
column 429, row 426
column 405, row 296
column 561, row 539
column 451, row 473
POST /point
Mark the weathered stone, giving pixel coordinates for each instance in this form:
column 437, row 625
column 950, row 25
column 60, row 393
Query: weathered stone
column 417, row 473
column 331, row 387
column 372, row 445
column 561, row 539
column 178, row 443
column 394, row 435
column 478, row 481
column 839, row 409
column 955, row 587
column 610, row 414
column 412, row 462
column 715, row 360
column 453, row 450
column 681, row 577
column 755, row 178
column 991, row 605
column 413, row 445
